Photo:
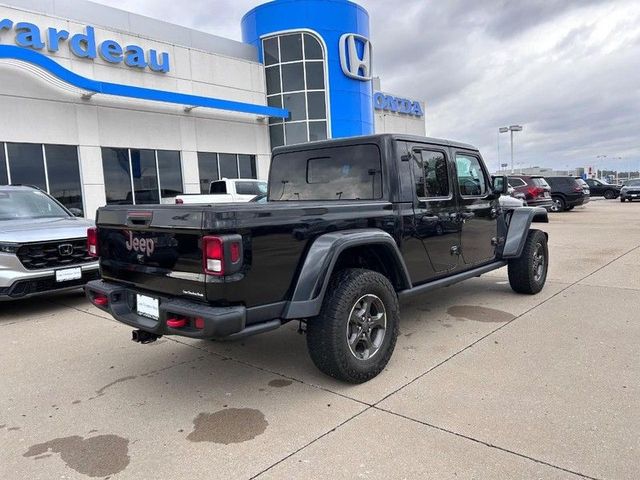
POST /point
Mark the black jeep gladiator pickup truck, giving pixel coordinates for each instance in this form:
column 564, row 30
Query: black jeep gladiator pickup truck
column 350, row 227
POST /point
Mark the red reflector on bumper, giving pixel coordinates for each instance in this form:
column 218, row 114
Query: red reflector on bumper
column 176, row 322
column 199, row 323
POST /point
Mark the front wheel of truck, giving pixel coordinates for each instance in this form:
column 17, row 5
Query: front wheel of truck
column 353, row 337
column 528, row 273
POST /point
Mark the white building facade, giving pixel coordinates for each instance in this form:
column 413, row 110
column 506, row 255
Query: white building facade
column 101, row 106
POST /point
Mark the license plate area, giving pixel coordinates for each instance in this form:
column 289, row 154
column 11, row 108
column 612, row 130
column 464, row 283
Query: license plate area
column 148, row 307
column 68, row 274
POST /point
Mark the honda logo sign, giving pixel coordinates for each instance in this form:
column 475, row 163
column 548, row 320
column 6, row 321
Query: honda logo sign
column 65, row 249
column 355, row 56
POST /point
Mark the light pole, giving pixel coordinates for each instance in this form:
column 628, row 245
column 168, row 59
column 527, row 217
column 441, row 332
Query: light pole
column 603, row 157
column 501, row 130
column 512, row 128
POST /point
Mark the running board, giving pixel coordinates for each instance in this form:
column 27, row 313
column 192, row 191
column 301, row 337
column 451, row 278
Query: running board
column 453, row 279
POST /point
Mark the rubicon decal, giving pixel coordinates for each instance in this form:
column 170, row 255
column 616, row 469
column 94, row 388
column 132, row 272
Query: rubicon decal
column 84, row 45
column 145, row 246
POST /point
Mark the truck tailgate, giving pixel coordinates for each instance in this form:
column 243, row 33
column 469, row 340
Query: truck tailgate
column 156, row 248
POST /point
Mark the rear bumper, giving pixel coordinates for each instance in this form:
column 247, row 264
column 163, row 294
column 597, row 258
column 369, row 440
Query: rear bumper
column 219, row 322
column 576, row 202
column 546, row 203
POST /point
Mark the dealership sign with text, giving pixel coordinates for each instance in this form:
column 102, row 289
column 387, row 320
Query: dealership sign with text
column 84, row 45
column 389, row 103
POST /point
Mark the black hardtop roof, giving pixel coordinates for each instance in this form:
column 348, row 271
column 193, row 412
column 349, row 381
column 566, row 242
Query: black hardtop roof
column 377, row 139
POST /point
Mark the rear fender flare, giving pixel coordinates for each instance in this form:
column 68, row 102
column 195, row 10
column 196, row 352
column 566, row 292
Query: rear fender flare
column 519, row 225
column 319, row 263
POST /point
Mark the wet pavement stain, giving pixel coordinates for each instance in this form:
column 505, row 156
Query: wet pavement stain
column 279, row 383
column 479, row 314
column 95, row 456
column 100, row 391
column 232, row 425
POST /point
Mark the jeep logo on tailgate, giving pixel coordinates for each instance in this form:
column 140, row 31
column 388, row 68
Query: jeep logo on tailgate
column 145, row 246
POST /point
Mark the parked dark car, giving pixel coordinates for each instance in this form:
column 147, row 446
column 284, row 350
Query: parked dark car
column 350, row 226
column 601, row 188
column 630, row 190
column 535, row 189
column 566, row 193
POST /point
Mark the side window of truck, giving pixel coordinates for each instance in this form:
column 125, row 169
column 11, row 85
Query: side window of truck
column 218, row 188
column 430, row 174
column 471, row 177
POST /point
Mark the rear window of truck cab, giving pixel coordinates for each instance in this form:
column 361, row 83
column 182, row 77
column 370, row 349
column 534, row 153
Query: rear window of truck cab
column 351, row 172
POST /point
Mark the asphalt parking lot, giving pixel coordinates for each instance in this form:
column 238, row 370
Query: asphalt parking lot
column 484, row 383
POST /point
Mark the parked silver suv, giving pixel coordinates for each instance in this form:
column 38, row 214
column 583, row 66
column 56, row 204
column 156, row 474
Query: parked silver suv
column 630, row 190
column 43, row 247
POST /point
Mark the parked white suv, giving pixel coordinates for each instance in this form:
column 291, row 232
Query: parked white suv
column 228, row 191
column 43, row 246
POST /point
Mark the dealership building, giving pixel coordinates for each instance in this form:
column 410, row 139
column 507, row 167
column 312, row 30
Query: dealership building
column 101, row 106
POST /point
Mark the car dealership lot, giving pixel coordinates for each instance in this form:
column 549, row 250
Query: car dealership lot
column 484, row 383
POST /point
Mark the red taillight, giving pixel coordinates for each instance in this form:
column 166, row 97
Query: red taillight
column 535, row 192
column 577, row 189
column 213, row 255
column 92, row 242
column 222, row 254
column 179, row 201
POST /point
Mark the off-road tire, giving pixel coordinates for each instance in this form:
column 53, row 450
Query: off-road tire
column 524, row 276
column 327, row 333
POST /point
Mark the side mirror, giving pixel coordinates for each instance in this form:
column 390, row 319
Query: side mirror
column 76, row 212
column 500, row 185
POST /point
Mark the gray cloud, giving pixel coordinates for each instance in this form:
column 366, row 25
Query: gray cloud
column 566, row 70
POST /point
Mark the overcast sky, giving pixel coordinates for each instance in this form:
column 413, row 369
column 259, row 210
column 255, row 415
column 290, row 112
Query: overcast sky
column 568, row 71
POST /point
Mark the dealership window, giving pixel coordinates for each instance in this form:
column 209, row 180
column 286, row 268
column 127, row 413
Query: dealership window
column 133, row 176
column 296, row 81
column 63, row 171
column 170, row 173
column 215, row 166
column 51, row 168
